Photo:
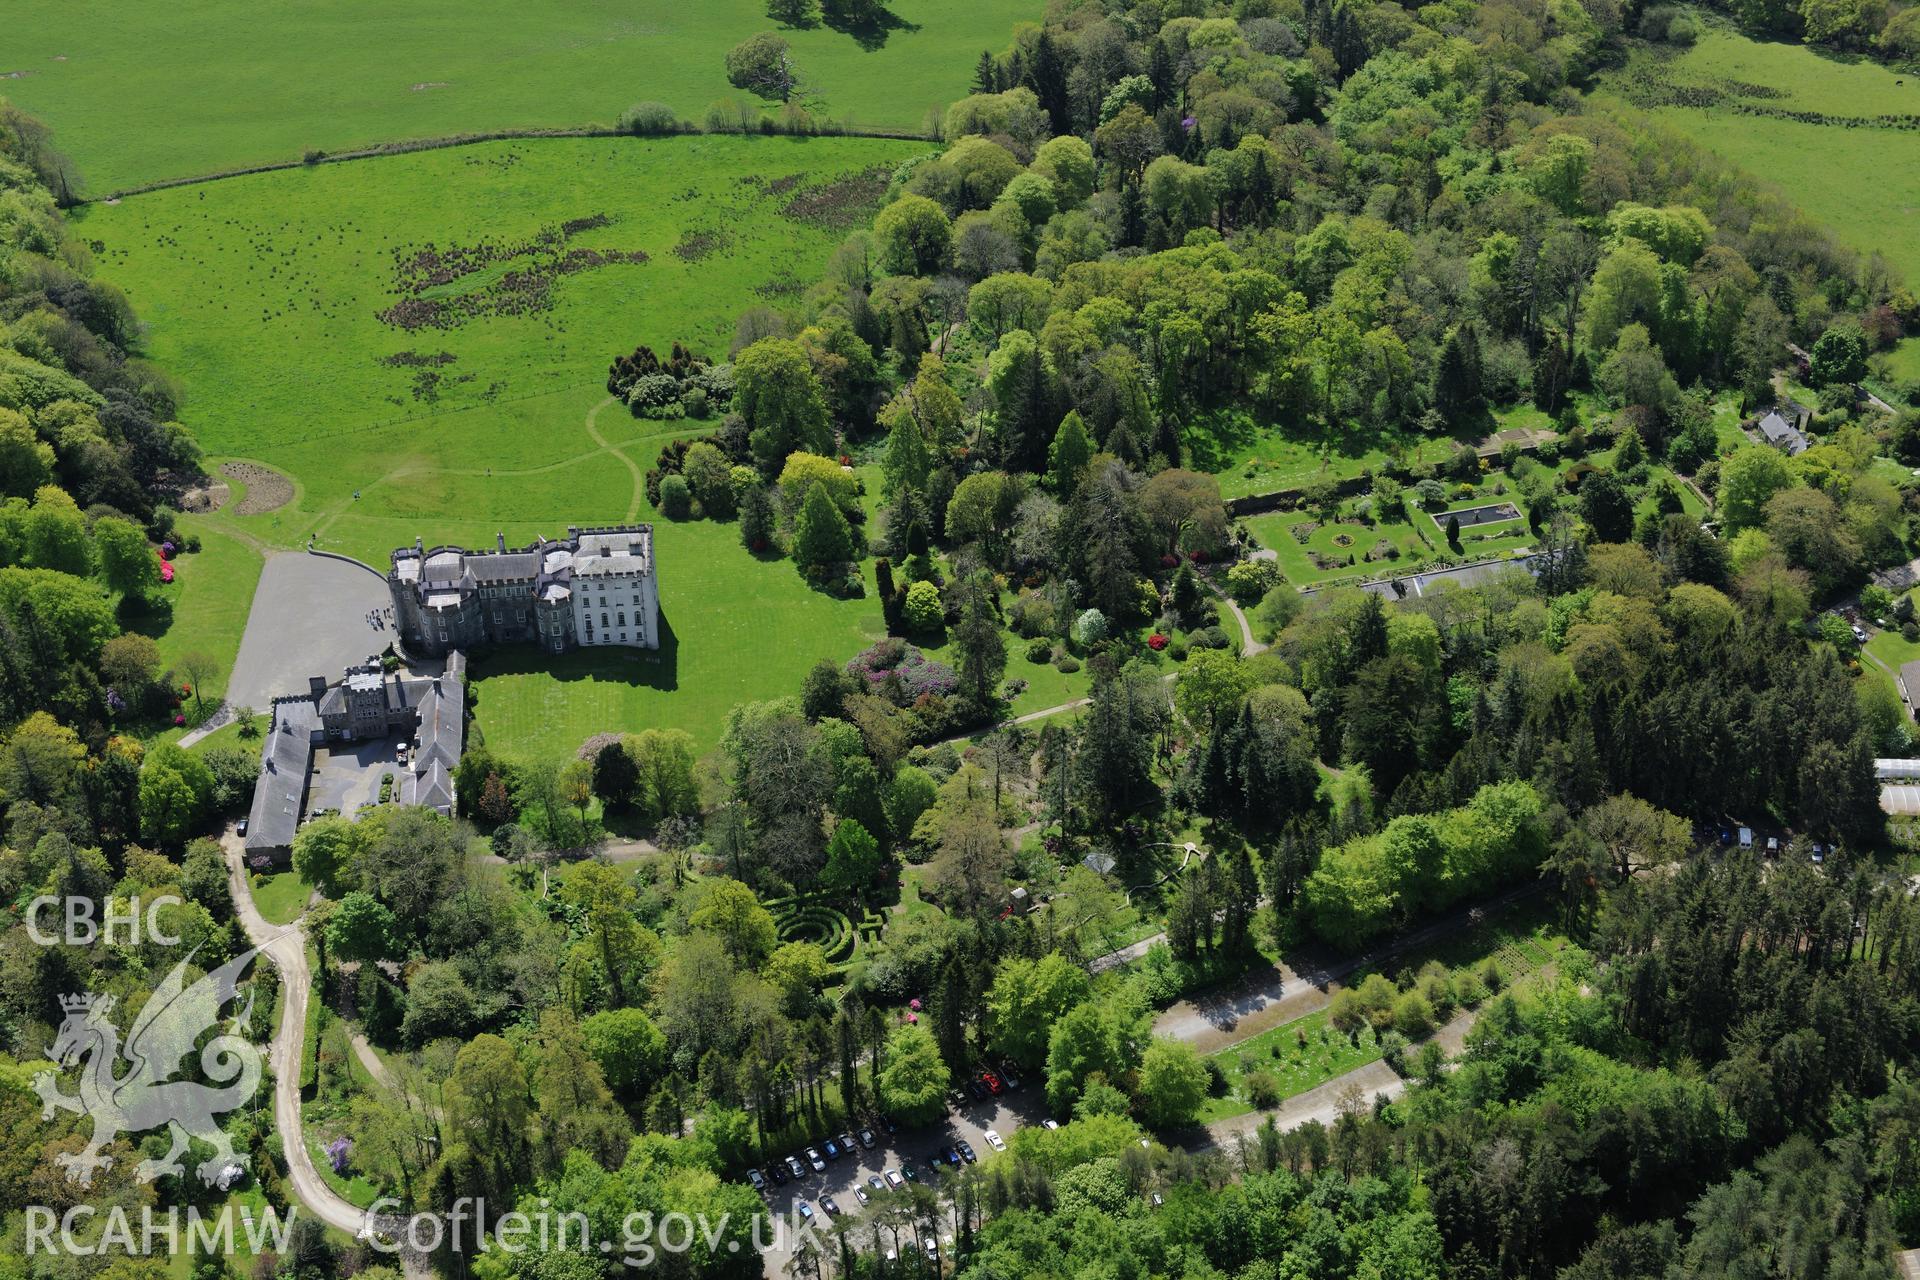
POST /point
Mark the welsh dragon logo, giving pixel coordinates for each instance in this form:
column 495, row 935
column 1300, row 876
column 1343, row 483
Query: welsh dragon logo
column 146, row 1097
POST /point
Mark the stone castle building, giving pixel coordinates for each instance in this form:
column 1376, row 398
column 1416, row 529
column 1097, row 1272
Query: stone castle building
column 368, row 704
column 596, row 587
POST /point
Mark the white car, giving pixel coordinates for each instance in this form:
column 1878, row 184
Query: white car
column 1051, row 1124
column 894, row 1180
column 1859, row 634
column 995, row 1141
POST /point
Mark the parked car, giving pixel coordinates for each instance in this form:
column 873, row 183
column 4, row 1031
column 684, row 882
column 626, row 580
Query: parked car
column 995, row 1141
column 794, row 1167
column 831, row 1205
column 873, row 1180
column 813, row 1158
column 757, row 1180
column 1746, row 837
column 867, row 1139
column 1859, row 634
column 240, row 827
column 1051, row 1124
column 992, row 1082
column 806, row 1211
column 860, row 1194
column 846, row 1144
column 894, row 1180
column 937, row 1161
column 978, row 1090
column 1773, row 846
column 906, row 1171
column 966, row 1151
column 833, row 1152
column 933, row 1249
column 1008, row 1074
column 887, row 1124
column 1819, row 853
column 779, row 1172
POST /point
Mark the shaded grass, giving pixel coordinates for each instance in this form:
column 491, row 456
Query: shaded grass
column 224, row 84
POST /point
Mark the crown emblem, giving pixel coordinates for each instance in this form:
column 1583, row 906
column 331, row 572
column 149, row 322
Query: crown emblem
column 85, row 1002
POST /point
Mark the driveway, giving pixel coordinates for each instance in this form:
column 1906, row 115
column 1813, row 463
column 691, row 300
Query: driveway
column 310, row 617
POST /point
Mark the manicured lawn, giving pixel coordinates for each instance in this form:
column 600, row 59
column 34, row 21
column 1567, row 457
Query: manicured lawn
column 281, row 897
column 1338, row 542
column 211, row 593
column 1863, row 183
column 237, row 84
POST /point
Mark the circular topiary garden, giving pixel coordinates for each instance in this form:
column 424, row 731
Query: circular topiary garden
column 815, row 922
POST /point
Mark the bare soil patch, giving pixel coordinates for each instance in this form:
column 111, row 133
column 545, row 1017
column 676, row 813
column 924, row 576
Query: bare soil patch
column 206, row 498
column 266, row 490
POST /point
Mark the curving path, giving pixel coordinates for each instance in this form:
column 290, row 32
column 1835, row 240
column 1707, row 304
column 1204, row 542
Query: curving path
column 287, row 947
column 639, row 477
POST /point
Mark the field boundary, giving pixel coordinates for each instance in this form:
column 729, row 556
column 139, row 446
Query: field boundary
column 448, row 141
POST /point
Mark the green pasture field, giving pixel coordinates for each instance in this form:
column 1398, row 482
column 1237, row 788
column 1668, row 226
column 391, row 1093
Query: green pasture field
column 264, row 296
column 1863, row 183
column 327, row 321
column 239, row 84
column 204, row 610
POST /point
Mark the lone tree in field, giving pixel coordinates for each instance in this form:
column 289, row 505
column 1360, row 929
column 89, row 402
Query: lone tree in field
column 762, row 64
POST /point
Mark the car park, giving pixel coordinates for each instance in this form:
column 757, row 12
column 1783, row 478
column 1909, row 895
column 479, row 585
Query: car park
column 995, row 1141
column 894, row 1179
column 831, row 1205
column 813, row 1158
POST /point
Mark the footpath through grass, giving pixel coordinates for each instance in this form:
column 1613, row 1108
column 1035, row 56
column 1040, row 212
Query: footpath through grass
column 1306, row 1053
column 226, row 84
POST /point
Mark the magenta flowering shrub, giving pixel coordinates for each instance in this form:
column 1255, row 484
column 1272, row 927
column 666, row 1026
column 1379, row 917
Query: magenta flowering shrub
column 918, row 675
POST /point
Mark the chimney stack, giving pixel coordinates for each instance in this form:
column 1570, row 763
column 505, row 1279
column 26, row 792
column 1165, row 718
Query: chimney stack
column 419, row 546
column 500, row 542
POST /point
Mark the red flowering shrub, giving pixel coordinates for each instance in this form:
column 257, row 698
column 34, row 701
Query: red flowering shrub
column 1156, row 642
